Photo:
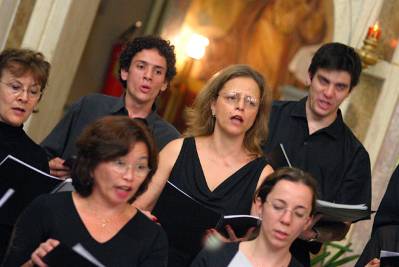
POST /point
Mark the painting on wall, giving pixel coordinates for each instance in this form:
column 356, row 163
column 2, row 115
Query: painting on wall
column 276, row 37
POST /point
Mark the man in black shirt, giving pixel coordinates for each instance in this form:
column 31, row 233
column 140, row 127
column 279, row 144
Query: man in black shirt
column 317, row 140
column 147, row 65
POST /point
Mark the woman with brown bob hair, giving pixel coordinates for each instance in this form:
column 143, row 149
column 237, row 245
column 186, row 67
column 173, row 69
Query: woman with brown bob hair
column 115, row 162
column 23, row 78
column 110, row 141
column 219, row 163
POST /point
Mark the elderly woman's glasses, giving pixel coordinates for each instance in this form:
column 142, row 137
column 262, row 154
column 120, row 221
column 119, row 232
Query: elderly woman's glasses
column 140, row 169
column 16, row 88
column 281, row 208
column 234, row 98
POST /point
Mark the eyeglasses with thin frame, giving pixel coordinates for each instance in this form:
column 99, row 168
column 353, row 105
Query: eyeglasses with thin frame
column 234, row 98
column 281, row 208
column 16, row 88
column 140, row 169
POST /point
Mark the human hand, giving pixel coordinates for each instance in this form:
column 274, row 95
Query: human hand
column 58, row 169
column 234, row 238
column 373, row 263
column 40, row 252
column 149, row 215
column 309, row 233
column 213, row 233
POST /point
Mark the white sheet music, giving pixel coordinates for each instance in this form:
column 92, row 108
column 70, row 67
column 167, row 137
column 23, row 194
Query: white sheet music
column 385, row 253
column 78, row 248
column 6, row 196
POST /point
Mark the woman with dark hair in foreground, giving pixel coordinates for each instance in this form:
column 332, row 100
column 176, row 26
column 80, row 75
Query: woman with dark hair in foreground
column 116, row 160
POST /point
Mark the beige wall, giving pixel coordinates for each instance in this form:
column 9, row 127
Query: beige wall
column 76, row 37
column 59, row 29
column 113, row 18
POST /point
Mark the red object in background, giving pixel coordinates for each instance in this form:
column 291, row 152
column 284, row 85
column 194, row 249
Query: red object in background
column 374, row 31
column 112, row 85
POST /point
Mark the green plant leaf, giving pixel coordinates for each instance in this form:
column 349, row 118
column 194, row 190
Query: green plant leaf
column 335, row 257
column 319, row 258
column 343, row 261
column 345, row 248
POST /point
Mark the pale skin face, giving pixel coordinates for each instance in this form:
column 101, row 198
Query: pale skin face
column 285, row 214
column 16, row 109
column 236, row 118
column 114, row 187
column 145, row 78
column 328, row 89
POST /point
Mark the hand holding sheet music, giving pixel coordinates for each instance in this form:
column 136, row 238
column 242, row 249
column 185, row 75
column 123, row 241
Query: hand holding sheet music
column 335, row 212
column 64, row 256
column 239, row 223
column 389, row 258
column 332, row 212
column 20, row 183
column 195, row 219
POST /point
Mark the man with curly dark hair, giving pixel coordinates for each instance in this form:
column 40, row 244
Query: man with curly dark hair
column 147, row 65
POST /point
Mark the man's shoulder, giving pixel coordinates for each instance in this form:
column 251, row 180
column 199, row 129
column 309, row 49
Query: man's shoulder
column 283, row 103
column 94, row 104
column 283, row 106
column 161, row 123
column 96, row 98
column 352, row 141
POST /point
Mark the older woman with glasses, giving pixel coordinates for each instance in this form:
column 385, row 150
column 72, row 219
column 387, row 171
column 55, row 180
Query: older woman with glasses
column 116, row 160
column 23, row 78
column 285, row 202
column 220, row 162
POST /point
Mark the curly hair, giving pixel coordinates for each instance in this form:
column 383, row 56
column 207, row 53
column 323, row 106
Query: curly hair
column 200, row 121
column 105, row 140
column 288, row 174
column 164, row 48
column 21, row 61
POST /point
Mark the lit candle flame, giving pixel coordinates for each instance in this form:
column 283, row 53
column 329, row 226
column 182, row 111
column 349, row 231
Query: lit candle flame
column 376, row 27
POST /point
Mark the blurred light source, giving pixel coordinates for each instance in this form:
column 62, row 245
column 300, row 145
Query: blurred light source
column 368, row 52
column 196, row 45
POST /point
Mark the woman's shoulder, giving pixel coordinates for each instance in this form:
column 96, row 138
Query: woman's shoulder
column 171, row 151
column 141, row 225
column 53, row 200
column 216, row 257
column 47, row 205
column 174, row 144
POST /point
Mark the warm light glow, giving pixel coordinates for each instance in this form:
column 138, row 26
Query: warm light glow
column 196, row 46
column 376, row 27
column 188, row 43
column 374, row 31
column 393, row 43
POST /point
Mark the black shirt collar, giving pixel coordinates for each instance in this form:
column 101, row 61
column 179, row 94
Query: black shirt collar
column 333, row 130
column 119, row 109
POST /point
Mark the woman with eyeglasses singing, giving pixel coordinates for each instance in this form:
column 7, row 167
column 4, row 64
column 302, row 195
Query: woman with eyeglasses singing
column 285, row 202
column 23, row 78
column 116, row 160
column 220, row 162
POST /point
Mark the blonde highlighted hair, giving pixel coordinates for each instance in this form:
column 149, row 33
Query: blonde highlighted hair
column 200, row 121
